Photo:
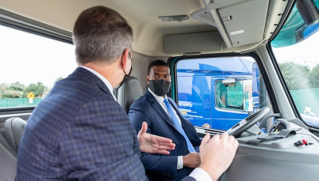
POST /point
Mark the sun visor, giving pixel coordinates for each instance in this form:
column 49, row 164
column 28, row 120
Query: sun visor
column 193, row 43
column 245, row 22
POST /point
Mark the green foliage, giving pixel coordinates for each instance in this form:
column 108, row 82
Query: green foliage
column 296, row 76
column 314, row 77
column 17, row 86
column 12, row 91
column 60, row 78
column 37, row 89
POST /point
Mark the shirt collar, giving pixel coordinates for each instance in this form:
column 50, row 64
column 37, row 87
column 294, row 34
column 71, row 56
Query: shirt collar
column 106, row 82
column 160, row 99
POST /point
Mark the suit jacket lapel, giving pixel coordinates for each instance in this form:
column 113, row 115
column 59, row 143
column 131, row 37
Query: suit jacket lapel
column 159, row 109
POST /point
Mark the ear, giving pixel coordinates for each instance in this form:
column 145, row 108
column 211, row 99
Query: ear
column 125, row 58
column 148, row 79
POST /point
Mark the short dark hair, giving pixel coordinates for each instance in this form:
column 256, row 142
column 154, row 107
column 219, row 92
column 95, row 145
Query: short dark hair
column 156, row 63
column 101, row 34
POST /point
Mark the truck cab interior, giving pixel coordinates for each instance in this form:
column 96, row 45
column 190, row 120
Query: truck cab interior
column 248, row 67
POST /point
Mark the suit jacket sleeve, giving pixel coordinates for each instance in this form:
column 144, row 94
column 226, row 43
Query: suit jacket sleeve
column 164, row 165
column 98, row 145
column 189, row 179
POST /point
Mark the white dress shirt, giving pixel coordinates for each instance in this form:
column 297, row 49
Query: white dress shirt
column 198, row 173
column 160, row 100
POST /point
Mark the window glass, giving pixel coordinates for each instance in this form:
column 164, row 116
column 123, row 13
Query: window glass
column 30, row 66
column 229, row 96
column 296, row 51
column 219, row 92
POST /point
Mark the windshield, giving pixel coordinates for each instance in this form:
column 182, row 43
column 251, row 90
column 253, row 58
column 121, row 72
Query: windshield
column 296, row 48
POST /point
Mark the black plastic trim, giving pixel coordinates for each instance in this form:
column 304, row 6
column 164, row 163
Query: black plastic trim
column 283, row 19
column 314, row 131
column 251, row 54
column 11, row 109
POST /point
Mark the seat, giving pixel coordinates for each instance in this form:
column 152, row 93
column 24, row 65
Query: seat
column 130, row 91
column 12, row 132
column 8, row 164
column 10, row 137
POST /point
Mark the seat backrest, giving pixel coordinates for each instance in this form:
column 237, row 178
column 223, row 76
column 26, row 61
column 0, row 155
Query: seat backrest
column 6, row 145
column 13, row 131
column 8, row 164
column 130, row 91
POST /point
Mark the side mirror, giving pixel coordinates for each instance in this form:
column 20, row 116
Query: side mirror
column 229, row 82
column 308, row 11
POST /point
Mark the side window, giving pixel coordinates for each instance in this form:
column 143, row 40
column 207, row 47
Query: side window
column 229, row 96
column 234, row 95
column 296, row 50
column 30, row 66
column 219, row 92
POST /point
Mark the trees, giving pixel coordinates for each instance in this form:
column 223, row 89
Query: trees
column 18, row 90
column 297, row 76
column 314, row 77
column 17, row 86
column 37, row 89
column 12, row 91
column 60, row 78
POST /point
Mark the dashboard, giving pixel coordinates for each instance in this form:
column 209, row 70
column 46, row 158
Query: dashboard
column 277, row 155
column 278, row 158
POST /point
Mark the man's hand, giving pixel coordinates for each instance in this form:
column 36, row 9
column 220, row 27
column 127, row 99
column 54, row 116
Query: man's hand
column 217, row 154
column 192, row 160
column 154, row 144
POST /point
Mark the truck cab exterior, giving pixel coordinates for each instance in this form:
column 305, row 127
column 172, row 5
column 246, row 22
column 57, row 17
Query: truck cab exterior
column 217, row 91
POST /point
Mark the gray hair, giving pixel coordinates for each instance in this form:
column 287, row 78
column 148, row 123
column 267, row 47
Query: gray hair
column 101, row 34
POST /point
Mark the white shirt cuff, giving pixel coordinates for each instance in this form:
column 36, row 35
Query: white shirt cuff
column 200, row 174
column 180, row 162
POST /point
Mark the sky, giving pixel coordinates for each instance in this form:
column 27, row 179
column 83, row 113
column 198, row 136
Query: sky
column 29, row 58
column 305, row 52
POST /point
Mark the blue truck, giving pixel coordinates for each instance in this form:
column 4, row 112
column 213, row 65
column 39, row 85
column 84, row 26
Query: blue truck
column 220, row 92
column 217, row 91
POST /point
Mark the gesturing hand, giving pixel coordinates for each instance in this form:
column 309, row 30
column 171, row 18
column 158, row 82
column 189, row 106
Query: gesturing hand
column 154, row 144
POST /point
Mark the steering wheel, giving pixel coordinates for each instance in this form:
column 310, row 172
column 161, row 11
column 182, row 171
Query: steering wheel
column 248, row 122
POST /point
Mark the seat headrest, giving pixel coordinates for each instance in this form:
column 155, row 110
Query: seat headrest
column 13, row 131
column 129, row 92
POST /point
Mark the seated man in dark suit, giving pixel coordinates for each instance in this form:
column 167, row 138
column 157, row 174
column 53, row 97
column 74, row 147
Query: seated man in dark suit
column 164, row 119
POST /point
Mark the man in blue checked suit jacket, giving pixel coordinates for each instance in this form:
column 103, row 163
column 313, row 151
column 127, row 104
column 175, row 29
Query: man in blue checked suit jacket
column 79, row 131
column 161, row 113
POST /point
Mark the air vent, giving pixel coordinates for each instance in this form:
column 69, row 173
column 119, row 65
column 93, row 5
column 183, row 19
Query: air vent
column 206, row 16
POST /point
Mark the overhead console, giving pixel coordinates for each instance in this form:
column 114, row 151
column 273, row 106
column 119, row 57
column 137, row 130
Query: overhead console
column 240, row 22
column 242, row 26
column 245, row 22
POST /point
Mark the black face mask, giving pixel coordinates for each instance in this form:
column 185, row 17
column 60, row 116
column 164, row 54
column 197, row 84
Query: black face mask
column 126, row 76
column 159, row 87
